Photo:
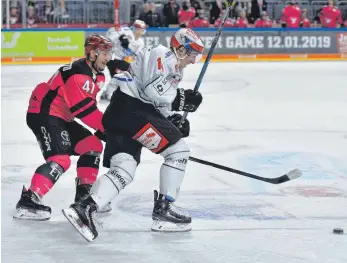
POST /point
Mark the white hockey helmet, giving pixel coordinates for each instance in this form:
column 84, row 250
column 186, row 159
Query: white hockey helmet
column 189, row 39
column 139, row 25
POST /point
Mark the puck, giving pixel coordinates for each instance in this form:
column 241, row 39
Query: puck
column 338, row 231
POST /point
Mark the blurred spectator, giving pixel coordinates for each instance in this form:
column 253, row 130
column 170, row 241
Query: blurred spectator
column 14, row 15
column 201, row 20
column 216, row 9
column 152, row 17
column 330, row 16
column 197, row 5
column 291, row 15
column 228, row 21
column 304, row 22
column 257, row 7
column 54, row 11
column 241, row 21
column 186, row 14
column 32, row 17
column 170, row 12
column 146, row 9
column 48, row 11
column 264, row 21
column 31, row 3
column 345, row 24
column 244, row 5
column 60, row 11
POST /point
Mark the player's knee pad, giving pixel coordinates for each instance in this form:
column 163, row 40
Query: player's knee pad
column 89, row 159
column 63, row 161
column 90, row 143
column 122, row 170
column 54, row 167
column 177, row 155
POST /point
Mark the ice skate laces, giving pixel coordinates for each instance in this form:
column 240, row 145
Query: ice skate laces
column 177, row 210
column 35, row 198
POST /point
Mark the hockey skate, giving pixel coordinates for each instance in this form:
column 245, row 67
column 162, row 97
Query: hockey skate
column 29, row 207
column 82, row 192
column 167, row 218
column 82, row 216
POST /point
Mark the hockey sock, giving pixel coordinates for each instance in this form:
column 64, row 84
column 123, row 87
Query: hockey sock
column 47, row 174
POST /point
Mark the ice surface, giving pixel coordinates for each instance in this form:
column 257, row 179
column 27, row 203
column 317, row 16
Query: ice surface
column 264, row 118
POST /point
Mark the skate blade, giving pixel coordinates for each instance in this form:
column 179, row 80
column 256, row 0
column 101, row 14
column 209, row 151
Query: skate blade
column 74, row 220
column 26, row 214
column 163, row 226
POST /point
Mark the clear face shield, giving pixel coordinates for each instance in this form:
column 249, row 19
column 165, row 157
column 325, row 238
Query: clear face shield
column 193, row 53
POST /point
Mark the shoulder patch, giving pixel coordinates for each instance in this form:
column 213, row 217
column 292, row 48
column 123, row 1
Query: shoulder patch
column 168, row 54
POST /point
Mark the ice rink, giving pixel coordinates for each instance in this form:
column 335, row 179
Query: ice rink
column 264, row 118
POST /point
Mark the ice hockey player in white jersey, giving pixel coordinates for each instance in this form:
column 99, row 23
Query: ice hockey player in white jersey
column 127, row 43
column 142, row 114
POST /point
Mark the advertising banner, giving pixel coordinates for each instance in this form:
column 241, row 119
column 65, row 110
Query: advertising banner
column 63, row 46
column 235, row 45
column 42, row 44
column 265, row 42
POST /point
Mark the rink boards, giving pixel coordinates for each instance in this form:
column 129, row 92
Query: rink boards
column 275, row 44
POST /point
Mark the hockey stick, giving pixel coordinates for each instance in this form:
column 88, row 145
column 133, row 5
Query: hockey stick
column 231, row 4
column 293, row 174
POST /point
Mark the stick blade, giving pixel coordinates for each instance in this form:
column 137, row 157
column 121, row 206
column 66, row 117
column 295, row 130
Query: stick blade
column 293, row 174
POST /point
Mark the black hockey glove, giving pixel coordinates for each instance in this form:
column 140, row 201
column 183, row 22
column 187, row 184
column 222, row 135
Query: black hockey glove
column 186, row 100
column 176, row 120
column 124, row 41
column 101, row 135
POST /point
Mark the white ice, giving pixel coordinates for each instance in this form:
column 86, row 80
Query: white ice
column 263, row 118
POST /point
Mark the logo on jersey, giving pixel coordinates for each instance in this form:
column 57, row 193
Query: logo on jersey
column 47, row 139
column 66, row 138
column 176, row 79
column 151, row 138
column 161, row 85
column 168, row 54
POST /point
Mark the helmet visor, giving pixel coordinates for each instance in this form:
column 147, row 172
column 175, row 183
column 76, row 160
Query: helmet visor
column 192, row 51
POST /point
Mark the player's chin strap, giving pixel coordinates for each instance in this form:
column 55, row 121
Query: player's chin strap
column 179, row 58
column 93, row 62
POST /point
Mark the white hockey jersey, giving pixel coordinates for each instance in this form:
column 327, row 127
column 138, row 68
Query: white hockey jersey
column 153, row 78
column 135, row 45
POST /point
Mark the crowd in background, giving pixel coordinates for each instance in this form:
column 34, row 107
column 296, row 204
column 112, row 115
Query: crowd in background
column 49, row 11
column 194, row 13
column 247, row 13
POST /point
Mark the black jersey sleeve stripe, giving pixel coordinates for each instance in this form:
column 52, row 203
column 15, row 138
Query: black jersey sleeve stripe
column 47, row 101
column 87, row 111
column 81, row 104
